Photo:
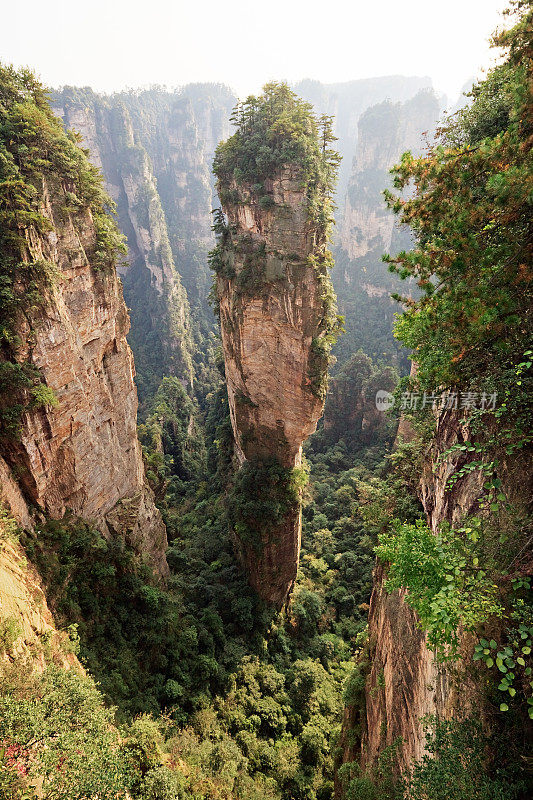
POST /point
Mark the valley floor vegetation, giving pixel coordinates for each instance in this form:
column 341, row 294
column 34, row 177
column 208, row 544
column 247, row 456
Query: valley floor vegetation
column 198, row 691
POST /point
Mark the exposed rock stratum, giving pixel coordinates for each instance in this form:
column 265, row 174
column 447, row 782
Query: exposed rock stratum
column 272, row 317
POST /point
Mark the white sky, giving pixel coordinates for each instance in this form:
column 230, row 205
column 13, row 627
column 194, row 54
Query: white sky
column 112, row 44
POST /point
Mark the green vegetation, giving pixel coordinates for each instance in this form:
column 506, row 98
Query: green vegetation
column 277, row 130
column 473, row 245
column 455, row 765
column 471, row 331
column 103, row 588
column 377, row 783
column 56, row 732
column 261, row 497
column 471, row 214
column 10, row 631
column 38, row 160
column 253, row 699
column 448, row 587
column 218, row 697
column 173, row 446
column 368, row 320
column 350, row 412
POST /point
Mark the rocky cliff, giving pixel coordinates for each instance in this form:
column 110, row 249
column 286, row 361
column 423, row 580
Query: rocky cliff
column 385, row 131
column 155, row 149
column 27, row 627
column 161, row 336
column 267, row 337
column 406, row 683
column 348, row 101
column 413, row 684
column 68, row 400
column 351, row 412
column 276, row 314
column 270, row 312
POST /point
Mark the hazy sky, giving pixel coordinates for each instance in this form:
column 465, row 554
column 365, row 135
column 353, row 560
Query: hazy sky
column 112, row 44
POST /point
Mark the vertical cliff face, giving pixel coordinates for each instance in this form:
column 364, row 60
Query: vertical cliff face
column 271, row 310
column 351, row 412
column 178, row 132
column 406, row 683
column 82, row 452
column 161, row 336
column 385, row 131
column 155, row 149
column 69, row 423
column 28, row 627
column 348, row 101
column 276, row 312
column 467, row 567
column 188, row 126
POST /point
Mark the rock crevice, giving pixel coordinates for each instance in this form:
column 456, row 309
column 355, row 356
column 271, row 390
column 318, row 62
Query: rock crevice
column 270, row 295
column 81, row 453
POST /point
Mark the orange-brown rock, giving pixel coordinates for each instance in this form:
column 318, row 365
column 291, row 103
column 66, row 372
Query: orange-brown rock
column 25, row 613
column 82, row 454
column 406, row 683
column 271, row 313
column 153, row 288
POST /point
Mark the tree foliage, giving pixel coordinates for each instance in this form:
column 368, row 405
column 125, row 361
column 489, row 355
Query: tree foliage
column 471, row 214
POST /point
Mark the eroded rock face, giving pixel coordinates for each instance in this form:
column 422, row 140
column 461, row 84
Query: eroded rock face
column 385, row 131
column 271, row 311
column 152, row 284
column 177, row 132
column 405, row 682
column 346, row 102
column 82, row 454
column 23, row 603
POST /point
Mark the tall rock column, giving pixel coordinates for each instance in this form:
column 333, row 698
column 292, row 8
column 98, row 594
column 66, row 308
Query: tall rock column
column 277, row 320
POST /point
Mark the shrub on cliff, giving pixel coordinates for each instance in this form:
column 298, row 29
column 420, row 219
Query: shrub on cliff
column 455, row 766
column 274, row 130
column 471, row 332
column 40, row 163
column 261, row 497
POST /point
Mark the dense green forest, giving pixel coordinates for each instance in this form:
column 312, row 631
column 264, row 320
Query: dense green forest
column 197, row 690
